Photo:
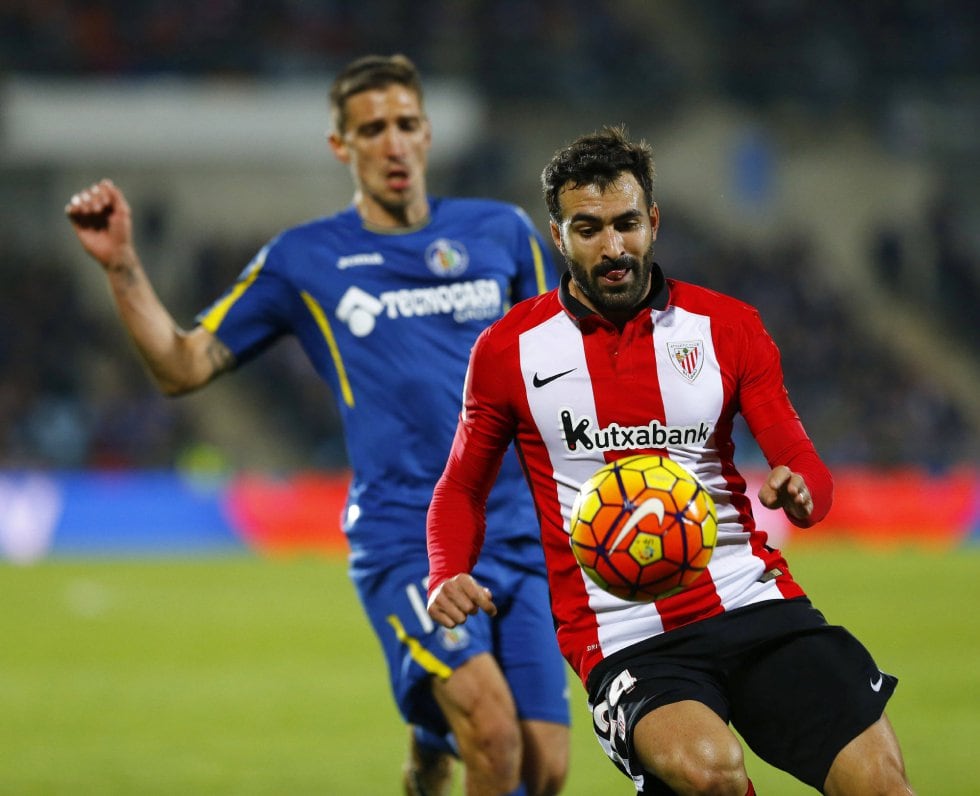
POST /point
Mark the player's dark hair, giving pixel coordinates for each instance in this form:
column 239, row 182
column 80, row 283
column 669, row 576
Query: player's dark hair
column 368, row 73
column 597, row 159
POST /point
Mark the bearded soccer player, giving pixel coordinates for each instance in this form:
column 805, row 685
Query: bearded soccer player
column 387, row 298
column 742, row 647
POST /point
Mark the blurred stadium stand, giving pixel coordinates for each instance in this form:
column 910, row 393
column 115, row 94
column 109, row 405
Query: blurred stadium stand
column 817, row 159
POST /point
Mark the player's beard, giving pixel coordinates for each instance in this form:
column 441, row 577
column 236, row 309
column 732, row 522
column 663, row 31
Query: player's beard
column 619, row 297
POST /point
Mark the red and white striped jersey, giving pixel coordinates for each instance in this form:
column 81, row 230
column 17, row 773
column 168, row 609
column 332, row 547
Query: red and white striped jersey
column 576, row 392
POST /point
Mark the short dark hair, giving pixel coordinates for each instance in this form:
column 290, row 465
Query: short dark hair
column 597, row 159
column 368, row 73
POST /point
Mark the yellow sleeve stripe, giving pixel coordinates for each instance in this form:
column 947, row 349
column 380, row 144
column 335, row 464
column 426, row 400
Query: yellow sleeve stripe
column 213, row 318
column 539, row 276
column 321, row 320
column 538, row 265
column 420, row 654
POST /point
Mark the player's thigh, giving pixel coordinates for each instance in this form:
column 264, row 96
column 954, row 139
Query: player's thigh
column 638, row 708
column 476, row 699
column 870, row 763
column 682, row 736
column 477, row 703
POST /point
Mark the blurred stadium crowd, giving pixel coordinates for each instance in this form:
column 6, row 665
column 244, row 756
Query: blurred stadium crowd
column 73, row 394
column 832, row 54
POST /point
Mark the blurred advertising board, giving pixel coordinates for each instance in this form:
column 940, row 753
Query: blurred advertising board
column 169, row 513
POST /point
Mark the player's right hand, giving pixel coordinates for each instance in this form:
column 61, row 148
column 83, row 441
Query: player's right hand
column 458, row 597
column 101, row 218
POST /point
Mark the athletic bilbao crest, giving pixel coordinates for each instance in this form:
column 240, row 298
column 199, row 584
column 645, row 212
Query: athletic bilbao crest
column 687, row 357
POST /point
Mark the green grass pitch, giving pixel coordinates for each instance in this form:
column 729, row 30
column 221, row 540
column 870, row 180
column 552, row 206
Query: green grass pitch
column 247, row 675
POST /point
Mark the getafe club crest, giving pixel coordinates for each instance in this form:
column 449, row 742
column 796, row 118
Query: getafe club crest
column 687, row 357
column 455, row 638
column 446, row 257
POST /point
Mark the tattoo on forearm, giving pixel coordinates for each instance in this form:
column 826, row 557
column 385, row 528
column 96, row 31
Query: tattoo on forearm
column 221, row 357
column 125, row 271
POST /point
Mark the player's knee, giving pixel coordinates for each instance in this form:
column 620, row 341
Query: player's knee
column 546, row 781
column 496, row 754
column 890, row 778
column 545, row 770
column 706, row 769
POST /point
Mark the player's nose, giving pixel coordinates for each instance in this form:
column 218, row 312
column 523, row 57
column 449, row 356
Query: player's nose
column 611, row 242
column 395, row 143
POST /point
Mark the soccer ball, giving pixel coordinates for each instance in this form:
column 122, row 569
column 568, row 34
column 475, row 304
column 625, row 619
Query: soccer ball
column 643, row 528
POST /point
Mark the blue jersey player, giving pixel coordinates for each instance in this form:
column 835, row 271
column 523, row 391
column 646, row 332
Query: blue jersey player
column 387, row 298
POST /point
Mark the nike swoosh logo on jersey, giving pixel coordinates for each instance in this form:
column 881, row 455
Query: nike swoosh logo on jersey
column 876, row 684
column 539, row 382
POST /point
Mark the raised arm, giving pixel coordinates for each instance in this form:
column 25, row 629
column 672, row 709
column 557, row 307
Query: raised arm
column 178, row 360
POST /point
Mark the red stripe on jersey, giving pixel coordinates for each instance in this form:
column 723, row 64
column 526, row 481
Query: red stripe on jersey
column 698, row 602
column 622, row 366
column 776, row 567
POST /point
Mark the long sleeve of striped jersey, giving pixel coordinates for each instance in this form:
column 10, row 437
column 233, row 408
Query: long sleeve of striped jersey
column 776, row 426
column 456, row 521
column 786, row 443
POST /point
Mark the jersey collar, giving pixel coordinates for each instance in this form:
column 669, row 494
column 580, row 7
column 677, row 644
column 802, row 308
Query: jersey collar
column 385, row 230
column 657, row 298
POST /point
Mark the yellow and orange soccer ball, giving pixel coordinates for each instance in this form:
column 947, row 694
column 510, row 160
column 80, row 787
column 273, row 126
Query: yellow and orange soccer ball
column 643, row 528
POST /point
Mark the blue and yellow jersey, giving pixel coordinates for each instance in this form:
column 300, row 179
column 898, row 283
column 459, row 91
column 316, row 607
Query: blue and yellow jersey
column 388, row 321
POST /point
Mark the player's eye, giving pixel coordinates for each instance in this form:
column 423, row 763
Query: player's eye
column 372, row 129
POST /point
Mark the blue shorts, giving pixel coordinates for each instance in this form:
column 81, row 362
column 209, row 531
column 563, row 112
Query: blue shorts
column 521, row 638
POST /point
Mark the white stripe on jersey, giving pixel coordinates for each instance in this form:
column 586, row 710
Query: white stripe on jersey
column 554, row 347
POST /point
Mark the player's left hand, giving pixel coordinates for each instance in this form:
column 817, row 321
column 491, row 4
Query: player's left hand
column 458, row 597
column 787, row 490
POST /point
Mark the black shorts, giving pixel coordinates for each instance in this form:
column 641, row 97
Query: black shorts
column 797, row 689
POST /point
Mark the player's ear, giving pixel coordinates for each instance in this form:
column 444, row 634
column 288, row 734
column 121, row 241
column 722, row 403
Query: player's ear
column 339, row 147
column 556, row 236
column 654, row 219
